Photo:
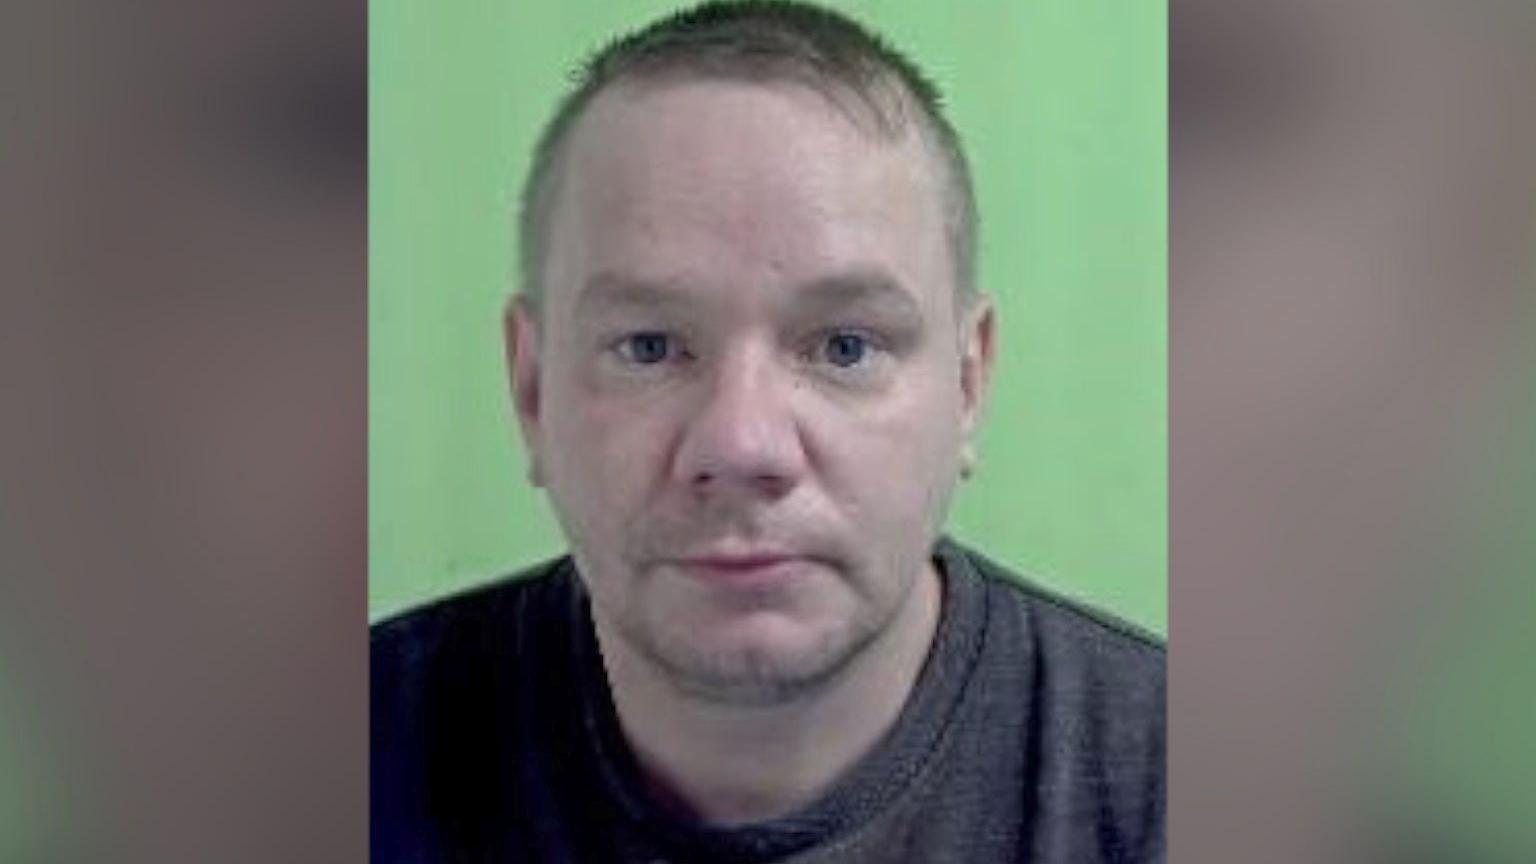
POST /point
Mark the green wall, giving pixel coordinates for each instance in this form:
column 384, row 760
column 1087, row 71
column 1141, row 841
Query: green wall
column 1063, row 107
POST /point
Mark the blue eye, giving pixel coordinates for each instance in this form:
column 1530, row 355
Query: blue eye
column 844, row 348
column 646, row 347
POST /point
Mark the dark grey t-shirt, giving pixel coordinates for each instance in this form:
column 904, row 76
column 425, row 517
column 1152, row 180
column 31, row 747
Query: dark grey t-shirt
column 1035, row 733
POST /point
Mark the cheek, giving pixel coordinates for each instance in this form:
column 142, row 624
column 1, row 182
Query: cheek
column 603, row 455
column 896, row 461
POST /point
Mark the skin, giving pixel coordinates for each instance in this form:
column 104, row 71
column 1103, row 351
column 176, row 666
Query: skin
column 748, row 391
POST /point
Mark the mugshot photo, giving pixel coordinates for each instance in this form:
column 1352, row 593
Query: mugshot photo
column 767, row 433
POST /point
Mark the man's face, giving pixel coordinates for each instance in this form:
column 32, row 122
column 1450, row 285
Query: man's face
column 751, row 380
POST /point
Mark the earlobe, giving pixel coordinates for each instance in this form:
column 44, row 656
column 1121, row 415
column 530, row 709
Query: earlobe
column 520, row 329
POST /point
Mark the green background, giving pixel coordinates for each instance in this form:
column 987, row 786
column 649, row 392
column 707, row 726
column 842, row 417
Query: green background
column 1062, row 106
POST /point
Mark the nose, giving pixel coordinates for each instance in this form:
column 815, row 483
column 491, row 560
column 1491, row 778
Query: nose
column 743, row 436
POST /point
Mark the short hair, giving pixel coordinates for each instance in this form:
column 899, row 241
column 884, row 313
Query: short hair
column 761, row 41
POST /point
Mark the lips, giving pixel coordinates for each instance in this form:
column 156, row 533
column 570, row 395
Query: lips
column 744, row 568
column 739, row 562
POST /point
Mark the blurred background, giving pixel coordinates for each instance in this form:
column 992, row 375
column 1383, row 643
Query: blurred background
column 1352, row 505
column 184, row 531
column 183, row 448
column 1063, row 111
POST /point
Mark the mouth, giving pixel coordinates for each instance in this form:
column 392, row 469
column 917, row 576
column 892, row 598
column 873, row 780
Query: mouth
column 748, row 569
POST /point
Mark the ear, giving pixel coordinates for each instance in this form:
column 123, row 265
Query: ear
column 978, row 324
column 520, row 326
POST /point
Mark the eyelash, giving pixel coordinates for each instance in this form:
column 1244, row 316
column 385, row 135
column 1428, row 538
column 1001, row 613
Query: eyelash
column 869, row 342
column 626, row 341
column 871, row 348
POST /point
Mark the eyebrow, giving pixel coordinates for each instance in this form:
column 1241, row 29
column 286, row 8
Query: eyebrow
column 610, row 290
column 868, row 288
column 860, row 288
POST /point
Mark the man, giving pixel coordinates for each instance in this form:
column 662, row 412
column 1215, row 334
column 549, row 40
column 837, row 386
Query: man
column 746, row 360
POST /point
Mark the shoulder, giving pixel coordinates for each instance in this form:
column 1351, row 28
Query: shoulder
column 454, row 653
column 1090, row 671
column 1095, row 685
column 1093, row 692
column 445, row 680
column 473, row 620
column 1066, row 631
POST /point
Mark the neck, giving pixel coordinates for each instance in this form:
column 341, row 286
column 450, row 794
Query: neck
column 728, row 763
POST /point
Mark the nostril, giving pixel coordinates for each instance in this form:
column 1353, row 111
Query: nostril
column 770, row 483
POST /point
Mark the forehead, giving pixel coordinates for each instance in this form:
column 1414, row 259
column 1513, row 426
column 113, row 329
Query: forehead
column 725, row 182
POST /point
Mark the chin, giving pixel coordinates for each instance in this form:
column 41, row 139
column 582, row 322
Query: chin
column 763, row 659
